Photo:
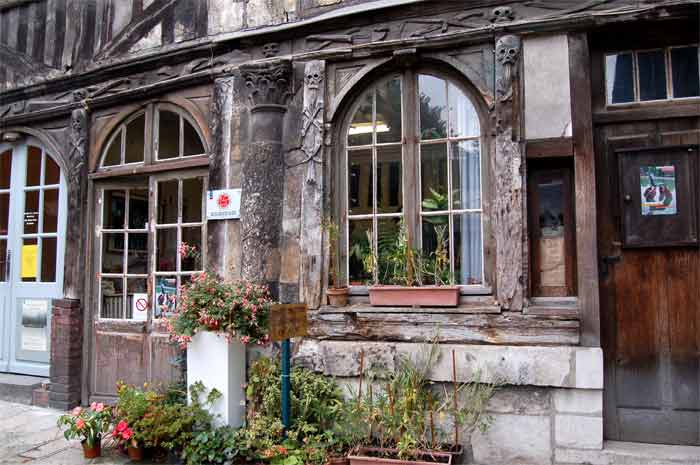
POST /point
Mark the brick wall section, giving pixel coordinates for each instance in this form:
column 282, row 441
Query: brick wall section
column 66, row 353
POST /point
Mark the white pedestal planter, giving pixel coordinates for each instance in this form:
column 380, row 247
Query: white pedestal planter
column 219, row 365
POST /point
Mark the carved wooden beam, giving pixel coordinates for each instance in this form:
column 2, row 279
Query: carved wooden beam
column 506, row 170
column 311, row 136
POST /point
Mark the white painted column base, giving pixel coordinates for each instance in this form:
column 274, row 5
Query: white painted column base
column 219, row 365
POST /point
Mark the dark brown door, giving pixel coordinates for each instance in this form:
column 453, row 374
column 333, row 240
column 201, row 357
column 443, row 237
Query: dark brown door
column 650, row 292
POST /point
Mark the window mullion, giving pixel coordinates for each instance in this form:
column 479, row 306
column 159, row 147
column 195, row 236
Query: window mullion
column 375, row 221
column 411, row 158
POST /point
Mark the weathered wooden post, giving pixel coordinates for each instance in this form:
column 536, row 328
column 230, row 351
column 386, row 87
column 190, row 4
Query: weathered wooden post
column 507, row 172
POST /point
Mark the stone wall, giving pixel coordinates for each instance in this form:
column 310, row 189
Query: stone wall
column 549, row 407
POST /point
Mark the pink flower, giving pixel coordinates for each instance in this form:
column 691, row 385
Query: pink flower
column 126, row 434
column 79, row 424
column 76, row 411
column 99, row 407
column 121, row 426
column 245, row 339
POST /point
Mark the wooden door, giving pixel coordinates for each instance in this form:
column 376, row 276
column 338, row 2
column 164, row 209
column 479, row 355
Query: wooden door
column 650, row 302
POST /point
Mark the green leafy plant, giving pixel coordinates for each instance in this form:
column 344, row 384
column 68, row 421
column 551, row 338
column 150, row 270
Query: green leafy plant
column 86, row 424
column 237, row 309
column 331, row 230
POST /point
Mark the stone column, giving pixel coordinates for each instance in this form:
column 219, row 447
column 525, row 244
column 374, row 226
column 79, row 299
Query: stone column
column 66, row 354
column 507, row 172
column 268, row 88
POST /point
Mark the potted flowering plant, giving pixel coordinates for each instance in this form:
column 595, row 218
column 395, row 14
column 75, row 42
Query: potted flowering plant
column 88, row 425
column 215, row 320
column 131, row 409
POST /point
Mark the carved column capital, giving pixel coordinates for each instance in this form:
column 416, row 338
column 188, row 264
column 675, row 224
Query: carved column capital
column 268, row 83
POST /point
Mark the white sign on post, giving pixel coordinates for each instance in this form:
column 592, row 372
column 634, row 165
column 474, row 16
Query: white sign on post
column 224, row 204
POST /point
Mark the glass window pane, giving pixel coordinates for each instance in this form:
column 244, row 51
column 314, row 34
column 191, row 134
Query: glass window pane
column 652, row 75
column 468, row 248
column 135, row 137
column 686, row 76
column 552, row 246
column 192, row 192
column 5, row 169
column 29, row 274
column 360, row 182
column 112, row 298
column 52, row 173
column 113, row 156
column 33, row 166
column 166, row 249
column 466, row 175
column 191, row 249
column 168, row 135
column 619, row 76
column 464, row 121
column 31, row 212
column 389, row 176
column 114, row 209
column 136, row 299
column 390, row 269
column 137, row 255
column 3, row 260
column 388, row 122
column 50, row 220
column 433, row 175
column 360, row 131
column 112, row 252
column 48, row 259
column 4, row 213
column 433, row 107
column 435, row 241
column 165, row 296
column 167, row 202
column 138, row 209
column 360, row 252
column 192, row 144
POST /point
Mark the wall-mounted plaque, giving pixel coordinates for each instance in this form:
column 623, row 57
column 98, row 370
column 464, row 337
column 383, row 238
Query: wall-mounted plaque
column 224, row 204
column 659, row 196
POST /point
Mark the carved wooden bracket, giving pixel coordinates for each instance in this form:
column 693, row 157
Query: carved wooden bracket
column 506, row 167
column 268, row 83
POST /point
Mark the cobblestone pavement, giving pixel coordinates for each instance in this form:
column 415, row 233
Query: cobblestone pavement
column 29, row 435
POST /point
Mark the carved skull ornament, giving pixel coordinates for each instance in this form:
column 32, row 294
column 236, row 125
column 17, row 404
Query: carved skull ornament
column 502, row 14
column 313, row 80
column 270, row 49
column 508, row 50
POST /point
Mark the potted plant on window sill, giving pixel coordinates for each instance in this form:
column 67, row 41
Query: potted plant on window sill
column 407, row 271
column 337, row 293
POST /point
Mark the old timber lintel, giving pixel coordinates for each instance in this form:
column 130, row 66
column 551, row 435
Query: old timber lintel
column 506, row 167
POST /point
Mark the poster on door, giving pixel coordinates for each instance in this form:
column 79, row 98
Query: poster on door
column 658, row 189
column 35, row 314
column 139, row 306
column 165, row 296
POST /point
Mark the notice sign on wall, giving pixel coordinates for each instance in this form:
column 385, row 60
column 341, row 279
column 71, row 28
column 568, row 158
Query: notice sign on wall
column 224, row 204
column 139, row 306
column 34, row 325
column 29, row 256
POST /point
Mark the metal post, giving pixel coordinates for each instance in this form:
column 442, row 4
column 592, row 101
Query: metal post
column 286, row 385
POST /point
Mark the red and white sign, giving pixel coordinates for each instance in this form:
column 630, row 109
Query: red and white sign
column 224, row 204
column 139, row 306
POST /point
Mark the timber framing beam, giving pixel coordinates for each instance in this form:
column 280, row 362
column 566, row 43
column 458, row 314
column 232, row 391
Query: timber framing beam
column 585, row 190
column 549, row 148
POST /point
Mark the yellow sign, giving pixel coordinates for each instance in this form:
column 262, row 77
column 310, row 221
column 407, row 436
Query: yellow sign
column 29, row 256
column 288, row 320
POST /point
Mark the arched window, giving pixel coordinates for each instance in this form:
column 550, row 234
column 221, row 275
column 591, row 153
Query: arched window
column 151, row 226
column 412, row 155
column 175, row 136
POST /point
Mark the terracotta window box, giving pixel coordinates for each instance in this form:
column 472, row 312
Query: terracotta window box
column 411, row 296
column 380, row 456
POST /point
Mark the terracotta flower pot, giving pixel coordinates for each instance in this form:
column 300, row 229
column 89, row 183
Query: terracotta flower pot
column 135, row 453
column 381, row 456
column 94, row 451
column 337, row 296
column 338, row 460
column 410, row 296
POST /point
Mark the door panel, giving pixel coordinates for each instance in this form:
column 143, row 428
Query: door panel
column 650, row 306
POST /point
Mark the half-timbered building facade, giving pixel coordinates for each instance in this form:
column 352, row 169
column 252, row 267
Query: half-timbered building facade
column 551, row 147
